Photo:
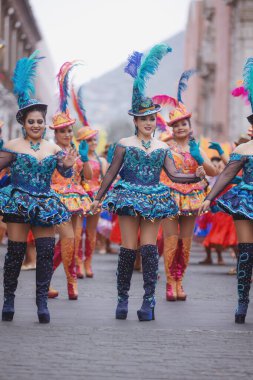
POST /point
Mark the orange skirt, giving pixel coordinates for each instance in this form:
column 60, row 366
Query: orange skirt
column 223, row 231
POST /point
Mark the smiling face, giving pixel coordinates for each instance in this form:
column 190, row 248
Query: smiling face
column 34, row 124
column 92, row 142
column 182, row 129
column 64, row 136
column 146, row 125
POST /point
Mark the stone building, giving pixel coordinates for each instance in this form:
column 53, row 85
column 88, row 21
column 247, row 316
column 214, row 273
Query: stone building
column 219, row 38
column 20, row 36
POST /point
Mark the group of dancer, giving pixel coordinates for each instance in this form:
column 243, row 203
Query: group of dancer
column 161, row 183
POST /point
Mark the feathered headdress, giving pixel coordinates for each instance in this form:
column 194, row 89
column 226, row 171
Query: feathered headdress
column 248, row 84
column 179, row 112
column 63, row 83
column 79, row 105
column 141, row 68
column 23, row 84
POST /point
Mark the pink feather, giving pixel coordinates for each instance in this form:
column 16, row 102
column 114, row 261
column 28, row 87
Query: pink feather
column 161, row 123
column 165, row 100
column 241, row 92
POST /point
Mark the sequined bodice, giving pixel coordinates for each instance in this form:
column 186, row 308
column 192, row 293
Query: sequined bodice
column 95, row 182
column 247, row 176
column 184, row 161
column 69, row 185
column 142, row 168
column 31, row 175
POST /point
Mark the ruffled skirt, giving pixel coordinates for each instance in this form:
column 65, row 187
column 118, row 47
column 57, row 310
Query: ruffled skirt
column 190, row 203
column 76, row 203
column 150, row 202
column 17, row 205
column 222, row 232
column 238, row 201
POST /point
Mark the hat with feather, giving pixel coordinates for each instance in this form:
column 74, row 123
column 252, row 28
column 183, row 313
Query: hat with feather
column 63, row 118
column 141, row 67
column 179, row 111
column 85, row 132
column 23, row 85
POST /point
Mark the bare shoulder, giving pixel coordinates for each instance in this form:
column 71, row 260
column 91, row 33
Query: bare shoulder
column 160, row 144
column 51, row 147
column 13, row 144
column 103, row 160
column 246, row 148
column 127, row 141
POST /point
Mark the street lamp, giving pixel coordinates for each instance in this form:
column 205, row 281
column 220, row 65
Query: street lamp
column 2, row 43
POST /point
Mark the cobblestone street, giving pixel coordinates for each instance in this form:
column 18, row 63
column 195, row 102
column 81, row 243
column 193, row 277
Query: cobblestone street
column 196, row 339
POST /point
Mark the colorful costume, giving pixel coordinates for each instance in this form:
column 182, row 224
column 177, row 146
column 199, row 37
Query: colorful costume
column 29, row 198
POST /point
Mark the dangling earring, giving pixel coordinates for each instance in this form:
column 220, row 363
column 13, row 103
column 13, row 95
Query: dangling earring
column 154, row 133
column 24, row 132
column 136, row 131
column 44, row 133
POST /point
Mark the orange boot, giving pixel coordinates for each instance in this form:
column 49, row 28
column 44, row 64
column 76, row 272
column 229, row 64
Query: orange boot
column 79, row 253
column 90, row 242
column 169, row 252
column 68, row 259
column 183, row 257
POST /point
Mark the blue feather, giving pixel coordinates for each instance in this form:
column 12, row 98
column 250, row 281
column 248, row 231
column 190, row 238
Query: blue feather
column 182, row 85
column 24, row 76
column 134, row 62
column 81, row 106
column 248, row 79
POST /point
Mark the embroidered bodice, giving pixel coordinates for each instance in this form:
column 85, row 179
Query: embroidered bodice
column 73, row 184
column 141, row 168
column 95, row 182
column 29, row 174
column 236, row 163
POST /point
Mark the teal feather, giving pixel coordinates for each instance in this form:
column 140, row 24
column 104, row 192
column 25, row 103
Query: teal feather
column 183, row 83
column 248, row 79
column 24, row 76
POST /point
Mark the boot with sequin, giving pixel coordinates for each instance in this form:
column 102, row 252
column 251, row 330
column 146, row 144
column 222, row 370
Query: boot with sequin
column 150, row 259
column 90, row 243
column 244, row 274
column 44, row 271
column 12, row 266
column 68, row 259
column 124, row 274
column 169, row 254
column 182, row 261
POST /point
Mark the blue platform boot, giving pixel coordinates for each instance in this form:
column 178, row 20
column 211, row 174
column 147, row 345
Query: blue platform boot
column 150, row 271
column 12, row 265
column 244, row 274
column 124, row 274
column 44, row 271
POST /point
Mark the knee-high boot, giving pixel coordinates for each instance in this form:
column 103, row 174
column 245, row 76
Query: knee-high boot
column 244, row 274
column 68, row 259
column 124, row 274
column 12, row 266
column 182, row 261
column 44, row 271
column 90, row 242
column 79, row 253
column 150, row 259
column 169, row 253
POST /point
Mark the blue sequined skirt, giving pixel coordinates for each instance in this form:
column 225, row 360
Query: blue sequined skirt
column 150, row 202
column 36, row 209
column 238, row 201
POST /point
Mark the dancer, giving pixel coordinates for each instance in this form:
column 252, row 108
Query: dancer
column 138, row 198
column 238, row 202
column 70, row 190
column 178, row 232
column 29, row 202
column 87, row 135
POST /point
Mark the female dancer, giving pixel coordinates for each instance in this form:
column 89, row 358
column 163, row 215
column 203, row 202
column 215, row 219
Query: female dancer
column 28, row 202
column 138, row 197
column 87, row 135
column 238, row 202
column 178, row 232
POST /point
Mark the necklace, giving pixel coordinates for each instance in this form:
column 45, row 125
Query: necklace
column 35, row 147
column 147, row 144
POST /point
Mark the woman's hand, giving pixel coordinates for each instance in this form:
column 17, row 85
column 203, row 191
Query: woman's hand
column 69, row 159
column 200, row 172
column 250, row 131
column 195, row 152
column 216, row 146
column 84, row 150
column 204, row 207
column 94, row 207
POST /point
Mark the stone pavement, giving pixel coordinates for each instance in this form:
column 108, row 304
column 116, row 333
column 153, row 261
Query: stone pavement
column 196, row 339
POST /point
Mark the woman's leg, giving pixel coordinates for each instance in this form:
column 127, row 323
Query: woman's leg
column 78, row 228
column 148, row 238
column 170, row 233
column 129, row 227
column 44, row 242
column 67, row 245
column 90, row 242
column 183, row 252
column 17, row 244
column 244, row 230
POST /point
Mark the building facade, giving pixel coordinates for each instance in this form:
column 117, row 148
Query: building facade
column 219, row 38
column 19, row 37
